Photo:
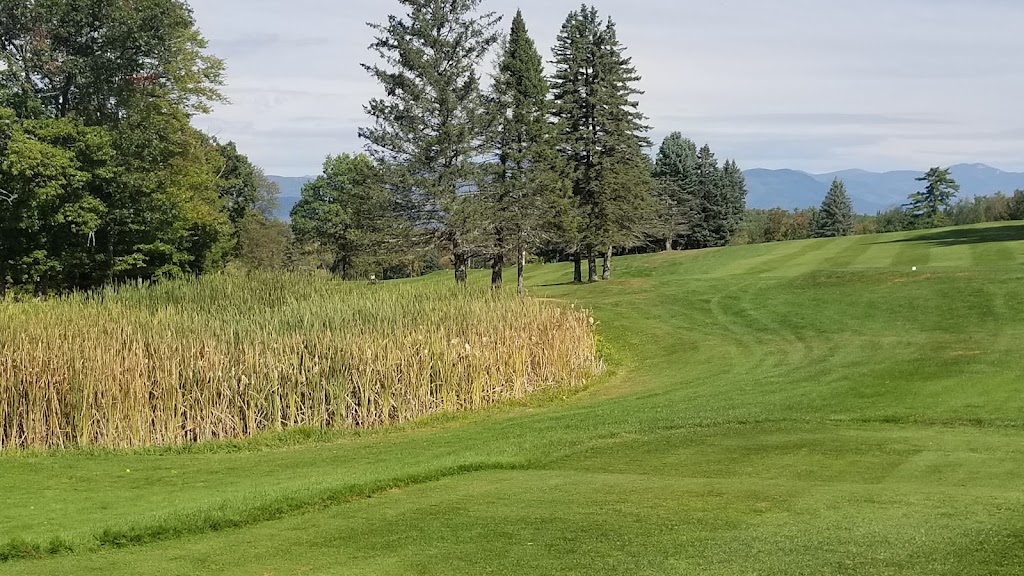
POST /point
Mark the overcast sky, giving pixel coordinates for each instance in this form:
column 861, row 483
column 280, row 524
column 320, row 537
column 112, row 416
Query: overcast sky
column 816, row 85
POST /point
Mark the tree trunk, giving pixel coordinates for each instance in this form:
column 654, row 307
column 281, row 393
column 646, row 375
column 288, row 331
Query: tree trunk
column 346, row 268
column 668, row 244
column 497, row 266
column 342, row 267
column 591, row 267
column 606, row 274
column 461, row 260
column 577, row 272
column 521, row 268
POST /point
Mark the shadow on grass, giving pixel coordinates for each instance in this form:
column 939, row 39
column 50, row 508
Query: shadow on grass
column 556, row 284
column 965, row 236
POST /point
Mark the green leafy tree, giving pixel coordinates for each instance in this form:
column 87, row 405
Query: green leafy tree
column 243, row 187
column 928, row 206
column 93, row 58
column 431, row 126
column 836, row 216
column 348, row 213
column 52, row 174
column 529, row 195
column 166, row 216
column 126, row 188
column 265, row 244
column 1015, row 207
column 601, row 136
column 893, row 220
column 248, row 196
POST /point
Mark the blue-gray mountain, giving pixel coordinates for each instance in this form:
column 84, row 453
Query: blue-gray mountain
column 870, row 191
column 291, row 192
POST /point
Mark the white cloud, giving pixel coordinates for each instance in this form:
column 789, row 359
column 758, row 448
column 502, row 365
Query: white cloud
column 806, row 84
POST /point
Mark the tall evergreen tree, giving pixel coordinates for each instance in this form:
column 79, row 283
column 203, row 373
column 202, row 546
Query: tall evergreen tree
column 430, row 127
column 529, row 191
column 928, row 206
column 601, row 133
column 835, row 218
column 709, row 200
column 734, row 197
column 675, row 173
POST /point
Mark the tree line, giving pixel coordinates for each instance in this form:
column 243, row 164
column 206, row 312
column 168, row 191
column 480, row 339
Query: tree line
column 554, row 164
column 104, row 180
column 936, row 205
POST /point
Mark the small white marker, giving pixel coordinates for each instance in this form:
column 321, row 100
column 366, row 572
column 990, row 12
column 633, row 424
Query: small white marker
column 914, row 269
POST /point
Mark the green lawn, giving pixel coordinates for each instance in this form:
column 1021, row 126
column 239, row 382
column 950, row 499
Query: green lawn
column 809, row 407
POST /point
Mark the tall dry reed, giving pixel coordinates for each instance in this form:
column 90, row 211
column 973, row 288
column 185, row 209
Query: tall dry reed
column 233, row 356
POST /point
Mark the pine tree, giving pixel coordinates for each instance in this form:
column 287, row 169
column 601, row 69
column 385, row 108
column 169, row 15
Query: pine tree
column 928, row 206
column 709, row 200
column 734, row 196
column 431, row 125
column 601, row 134
column 835, row 219
column 675, row 175
column 529, row 190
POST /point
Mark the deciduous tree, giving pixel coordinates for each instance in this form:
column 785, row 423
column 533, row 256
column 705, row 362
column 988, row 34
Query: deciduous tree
column 348, row 212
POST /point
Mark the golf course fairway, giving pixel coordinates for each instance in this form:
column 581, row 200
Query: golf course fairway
column 802, row 408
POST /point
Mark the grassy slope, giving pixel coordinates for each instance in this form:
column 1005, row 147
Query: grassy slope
column 801, row 408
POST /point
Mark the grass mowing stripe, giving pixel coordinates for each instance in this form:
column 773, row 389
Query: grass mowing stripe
column 953, row 256
column 764, row 259
column 911, row 254
column 782, row 264
column 850, row 253
column 818, row 259
column 993, row 255
column 878, row 254
column 235, row 514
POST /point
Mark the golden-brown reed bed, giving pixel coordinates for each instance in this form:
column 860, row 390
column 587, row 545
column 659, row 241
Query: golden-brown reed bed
column 231, row 356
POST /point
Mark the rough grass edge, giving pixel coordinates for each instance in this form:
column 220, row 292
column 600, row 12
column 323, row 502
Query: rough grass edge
column 234, row 514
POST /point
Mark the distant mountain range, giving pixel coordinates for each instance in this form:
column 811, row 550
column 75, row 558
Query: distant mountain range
column 291, row 192
column 870, row 191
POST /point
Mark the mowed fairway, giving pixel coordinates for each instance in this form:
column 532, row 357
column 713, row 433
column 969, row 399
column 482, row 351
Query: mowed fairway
column 811, row 407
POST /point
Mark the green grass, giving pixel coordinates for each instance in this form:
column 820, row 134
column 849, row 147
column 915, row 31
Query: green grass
column 801, row 408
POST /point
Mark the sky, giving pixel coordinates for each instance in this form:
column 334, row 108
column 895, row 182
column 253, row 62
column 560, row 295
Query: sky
column 815, row 85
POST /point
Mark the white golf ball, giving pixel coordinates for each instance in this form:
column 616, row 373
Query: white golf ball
column 914, row 269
